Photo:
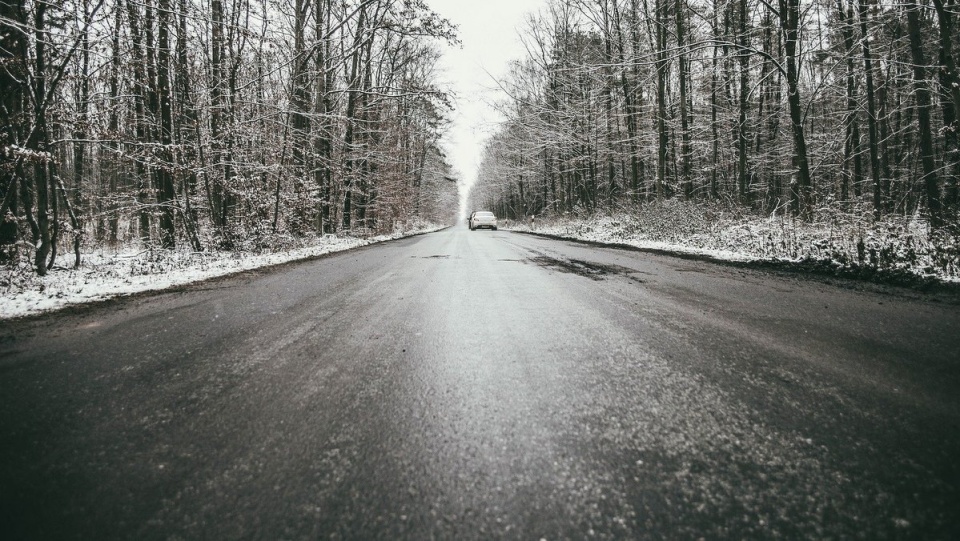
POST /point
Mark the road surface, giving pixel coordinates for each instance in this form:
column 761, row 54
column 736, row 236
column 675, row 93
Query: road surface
column 477, row 385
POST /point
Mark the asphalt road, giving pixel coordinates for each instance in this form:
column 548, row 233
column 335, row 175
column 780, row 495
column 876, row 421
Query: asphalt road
column 465, row 385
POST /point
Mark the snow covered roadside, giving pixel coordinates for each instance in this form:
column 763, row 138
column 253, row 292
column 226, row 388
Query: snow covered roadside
column 105, row 274
column 898, row 250
column 581, row 230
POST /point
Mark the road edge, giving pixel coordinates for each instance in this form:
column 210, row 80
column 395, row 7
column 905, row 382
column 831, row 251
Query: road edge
column 77, row 308
column 811, row 268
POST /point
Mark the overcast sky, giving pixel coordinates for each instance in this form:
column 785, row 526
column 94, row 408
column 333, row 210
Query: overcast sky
column 489, row 32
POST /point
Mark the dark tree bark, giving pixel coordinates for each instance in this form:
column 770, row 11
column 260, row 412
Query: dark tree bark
column 923, row 98
column 166, row 192
column 217, row 197
column 353, row 96
column 611, row 135
column 186, row 128
column 950, row 98
column 113, row 165
column 851, row 147
column 13, row 58
column 38, row 140
column 140, row 97
column 875, row 167
column 323, row 145
column 802, row 192
column 636, row 94
column 743, row 136
column 768, row 109
column 660, row 33
column 685, row 179
column 630, row 109
column 714, row 106
column 80, row 134
column 299, row 116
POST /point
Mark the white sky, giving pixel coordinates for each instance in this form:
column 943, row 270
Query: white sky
column 488, row 30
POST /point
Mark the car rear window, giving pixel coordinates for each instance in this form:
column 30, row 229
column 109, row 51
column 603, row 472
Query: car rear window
column 485, row 214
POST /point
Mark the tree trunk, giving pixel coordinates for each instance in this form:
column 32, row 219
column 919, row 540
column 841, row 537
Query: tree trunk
column 299, row 119
column 875, row 168
column 685, row 179
column 636, row 96
column 322, row 108
column 743, row 57
column 851, row 146
column 353, row 94
column 922, row 93
column 38, row 141
column 80, row 134
column 714, row 107
column 216, row 186
column 13, row 58
column 186, row 129
column 166, row 192
column 628, row 105
column 950, row 97
column 611, row 135
column 660, row 32
column 113, row 166
column 802, row 192
column 140, row 84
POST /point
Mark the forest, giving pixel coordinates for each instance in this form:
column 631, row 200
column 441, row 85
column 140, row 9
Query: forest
column 840, row 111
column 252, row 124
column 214, row 125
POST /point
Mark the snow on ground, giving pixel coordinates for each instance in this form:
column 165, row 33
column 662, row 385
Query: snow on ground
column 845, row 242
column 578, row 230
column 106, row 273
column 840, row 241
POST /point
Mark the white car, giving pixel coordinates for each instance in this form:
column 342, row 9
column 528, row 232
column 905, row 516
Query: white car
column 482, row 218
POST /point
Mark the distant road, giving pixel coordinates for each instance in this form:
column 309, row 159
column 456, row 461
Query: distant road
column 476, row 385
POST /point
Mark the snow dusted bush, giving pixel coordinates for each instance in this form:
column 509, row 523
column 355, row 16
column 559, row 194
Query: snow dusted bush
column 849, row 241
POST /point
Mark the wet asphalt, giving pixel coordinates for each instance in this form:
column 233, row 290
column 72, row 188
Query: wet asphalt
column 486, row 385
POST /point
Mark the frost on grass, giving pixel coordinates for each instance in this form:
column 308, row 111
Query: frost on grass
column 848, row 242
column 107, row 272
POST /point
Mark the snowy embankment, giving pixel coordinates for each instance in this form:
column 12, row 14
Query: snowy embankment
column 896, row 249
column 107, row 273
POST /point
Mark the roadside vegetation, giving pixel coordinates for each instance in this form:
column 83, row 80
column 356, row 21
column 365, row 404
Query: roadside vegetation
column 212, row 129
column 896, row 249
column 108, row 272
column 816, row 131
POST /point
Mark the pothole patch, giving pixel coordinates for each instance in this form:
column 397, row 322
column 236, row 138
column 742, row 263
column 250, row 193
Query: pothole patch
column 587, row 269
